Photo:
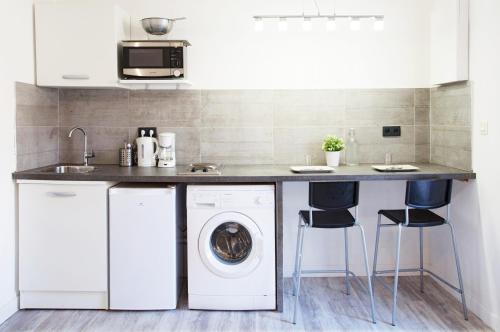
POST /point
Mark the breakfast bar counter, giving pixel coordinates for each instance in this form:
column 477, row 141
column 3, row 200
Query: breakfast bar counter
column 274, row 174
column 243, row 174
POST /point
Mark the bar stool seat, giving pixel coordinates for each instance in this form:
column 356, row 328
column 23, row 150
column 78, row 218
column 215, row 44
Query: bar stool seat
column 418, row 218
column 329, row 219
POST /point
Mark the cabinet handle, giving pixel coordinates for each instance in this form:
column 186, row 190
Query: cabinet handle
column 76, row 77
column 205, row 204
column 61, row 194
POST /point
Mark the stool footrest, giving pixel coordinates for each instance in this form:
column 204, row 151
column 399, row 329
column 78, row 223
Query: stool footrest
column 377, row 273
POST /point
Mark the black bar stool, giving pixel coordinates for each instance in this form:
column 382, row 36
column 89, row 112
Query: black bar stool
column 329, row 203
column 420, row 196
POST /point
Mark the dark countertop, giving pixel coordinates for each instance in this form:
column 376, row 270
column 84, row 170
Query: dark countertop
column 244, row 173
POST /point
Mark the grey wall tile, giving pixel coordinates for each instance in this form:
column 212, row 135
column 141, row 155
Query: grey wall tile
column 451, row 136
column 292, row 145
column 47, row 158
column 373, row 107
column 373, row 146
column 98, row 108
column 27, row 161
column 373, row 135
column 422, row 135
column 450, row 122
column 237, row 115
column 165, row 108
column 379, row 116
column 452, row 157
column 105, row 142
column 36, row 106
column 400, row 153
column 37, row 126
column 187, row 144
column 237, row 145
column 380, row 98
column 422, row 115
column 37, row 139
column 332, row 98
column 451, row 105
column 237, row 97
column 308, row 115
column 422, row 97
column 422, row 153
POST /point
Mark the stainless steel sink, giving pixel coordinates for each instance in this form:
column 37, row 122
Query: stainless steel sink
column 70, row 169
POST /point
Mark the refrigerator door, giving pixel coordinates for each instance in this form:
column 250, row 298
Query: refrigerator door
column 143, row 250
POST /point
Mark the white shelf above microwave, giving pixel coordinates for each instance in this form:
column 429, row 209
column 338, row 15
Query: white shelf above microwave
column 154, row 84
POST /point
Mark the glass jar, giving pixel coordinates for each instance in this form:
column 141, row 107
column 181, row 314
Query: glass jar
column 351, row 149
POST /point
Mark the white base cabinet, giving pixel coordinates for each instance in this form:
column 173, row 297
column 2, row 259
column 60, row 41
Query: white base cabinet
column 63, row 236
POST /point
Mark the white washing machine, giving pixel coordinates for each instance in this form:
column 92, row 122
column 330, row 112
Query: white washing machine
column 231, row 247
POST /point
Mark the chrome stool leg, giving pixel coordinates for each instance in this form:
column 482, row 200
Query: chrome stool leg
column 421, row 235
column 346, row 254
column 459, row 271
column 367, row 269
column 376, row 250
column 396, row 276
column 294, row 276
column 302, row 231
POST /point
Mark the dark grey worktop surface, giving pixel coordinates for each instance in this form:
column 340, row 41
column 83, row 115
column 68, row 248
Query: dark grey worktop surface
column 244, row 173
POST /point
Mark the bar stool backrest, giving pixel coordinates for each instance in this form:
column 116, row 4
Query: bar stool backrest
column 428, row 194
column 333, row 195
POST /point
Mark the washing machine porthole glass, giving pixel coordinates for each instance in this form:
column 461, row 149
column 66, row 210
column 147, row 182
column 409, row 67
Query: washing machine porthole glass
column 231, row 242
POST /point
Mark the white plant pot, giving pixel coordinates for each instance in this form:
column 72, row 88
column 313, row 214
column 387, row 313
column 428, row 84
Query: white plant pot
column 332, row 158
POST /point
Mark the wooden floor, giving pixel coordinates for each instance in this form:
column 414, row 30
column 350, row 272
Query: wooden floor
column 323, row 307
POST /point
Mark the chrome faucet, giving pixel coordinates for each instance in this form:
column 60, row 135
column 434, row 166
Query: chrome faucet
column 86, row 155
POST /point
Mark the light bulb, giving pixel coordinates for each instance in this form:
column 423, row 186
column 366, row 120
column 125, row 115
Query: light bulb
column 378, row 25
column 307, row 24
column 282, row 24
column 259, row 25
column 355, row 24
column 331, row 25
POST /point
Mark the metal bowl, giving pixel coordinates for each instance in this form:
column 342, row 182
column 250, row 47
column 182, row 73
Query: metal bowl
column 159, row 26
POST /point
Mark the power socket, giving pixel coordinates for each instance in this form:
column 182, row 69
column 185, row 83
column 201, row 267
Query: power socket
column 391, row 131
column 146, row 130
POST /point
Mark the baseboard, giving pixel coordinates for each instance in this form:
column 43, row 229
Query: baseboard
column 9, row 309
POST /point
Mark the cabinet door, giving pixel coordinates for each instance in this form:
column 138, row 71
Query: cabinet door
column 76, row 43
column 63, row 237
column 449, row 41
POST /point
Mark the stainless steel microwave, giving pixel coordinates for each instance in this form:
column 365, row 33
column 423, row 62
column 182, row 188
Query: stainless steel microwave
column 152, row 59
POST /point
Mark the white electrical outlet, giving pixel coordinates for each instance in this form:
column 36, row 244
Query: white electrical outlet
column 483, row 128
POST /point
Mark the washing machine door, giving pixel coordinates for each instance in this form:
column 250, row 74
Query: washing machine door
column 230, row 245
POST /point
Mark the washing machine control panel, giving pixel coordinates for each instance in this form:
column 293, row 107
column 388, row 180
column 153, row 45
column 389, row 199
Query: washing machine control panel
column 231, row 199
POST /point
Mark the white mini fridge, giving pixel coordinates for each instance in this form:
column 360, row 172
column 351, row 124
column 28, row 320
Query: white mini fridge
column 144, row 247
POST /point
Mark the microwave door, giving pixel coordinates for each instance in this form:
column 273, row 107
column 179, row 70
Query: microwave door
column 146, row 62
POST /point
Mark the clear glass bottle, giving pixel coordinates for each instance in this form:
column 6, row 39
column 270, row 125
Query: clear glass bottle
column 351, row 149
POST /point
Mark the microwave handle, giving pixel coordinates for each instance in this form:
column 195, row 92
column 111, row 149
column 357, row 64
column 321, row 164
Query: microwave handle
column 75, row 77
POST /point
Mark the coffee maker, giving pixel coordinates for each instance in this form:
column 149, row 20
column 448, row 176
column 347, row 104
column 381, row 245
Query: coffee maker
column 166, row 155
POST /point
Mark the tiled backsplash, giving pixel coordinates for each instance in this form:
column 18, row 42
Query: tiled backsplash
column 248, row 126
column 451, row 126
column 223, row 126
column 37, row 121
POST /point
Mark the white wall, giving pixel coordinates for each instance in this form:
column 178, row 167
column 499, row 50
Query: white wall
column 475, row 212
column 16, row 64
column 228, row 53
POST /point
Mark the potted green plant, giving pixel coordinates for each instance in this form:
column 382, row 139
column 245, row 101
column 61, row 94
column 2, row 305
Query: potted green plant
column 332, row 145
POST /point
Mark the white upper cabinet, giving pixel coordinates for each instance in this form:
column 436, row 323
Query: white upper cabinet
column 76, row 42
column 449, row 38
